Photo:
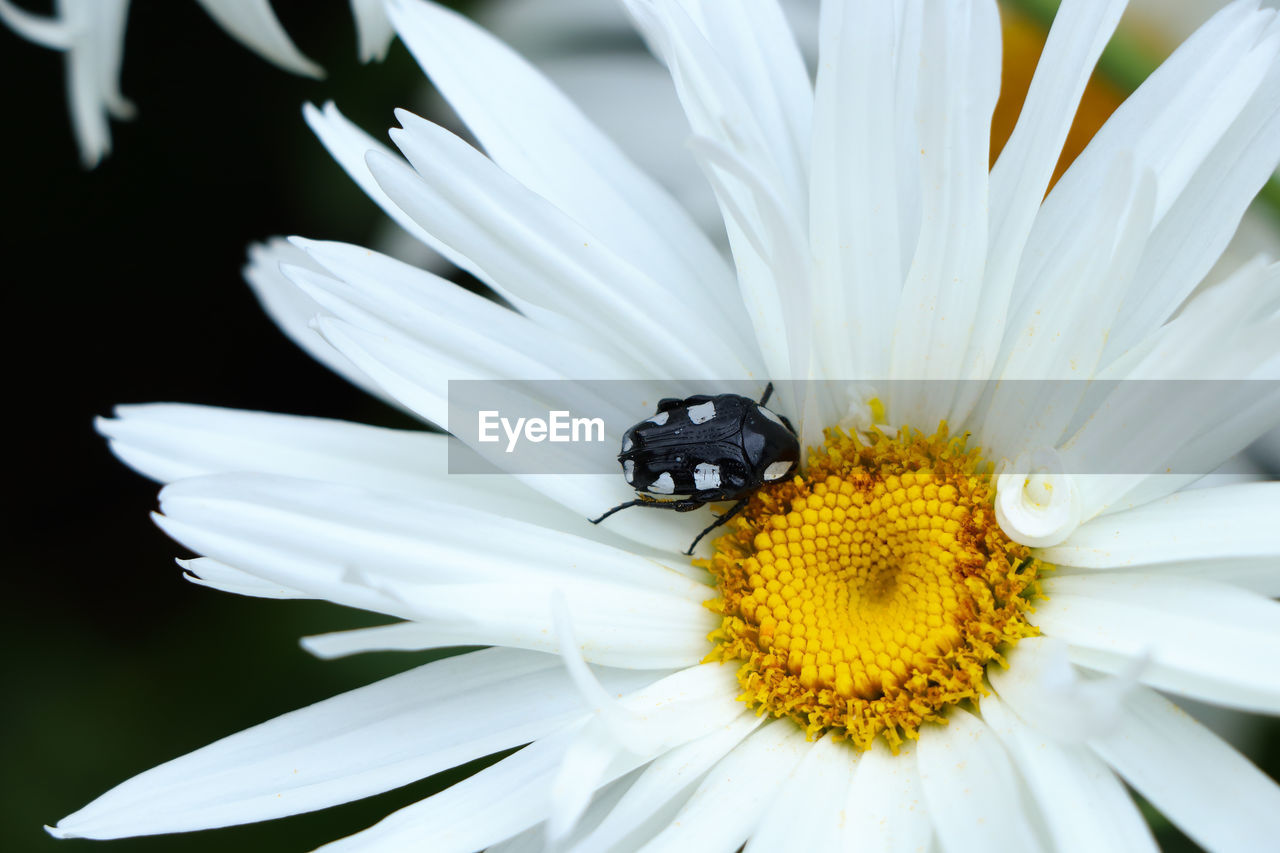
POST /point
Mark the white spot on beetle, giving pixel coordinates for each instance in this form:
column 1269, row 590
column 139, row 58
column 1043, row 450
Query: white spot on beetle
column 706, row 476
column 626, row 445
column 664, row 485
column 702, row 412
column 770, row 415
column 629, row 470
column 660, row 418
column 777, row 471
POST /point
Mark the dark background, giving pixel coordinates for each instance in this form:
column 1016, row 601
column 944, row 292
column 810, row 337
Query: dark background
column 124, row 286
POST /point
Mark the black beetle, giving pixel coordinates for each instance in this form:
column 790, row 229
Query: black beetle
column 703, row 449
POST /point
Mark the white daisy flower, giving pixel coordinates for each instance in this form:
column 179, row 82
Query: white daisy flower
column 833, row 674
column 91, row 34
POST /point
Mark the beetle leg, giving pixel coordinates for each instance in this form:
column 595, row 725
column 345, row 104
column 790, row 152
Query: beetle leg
column 685, row 505
column 768, row 392
column 734, row 510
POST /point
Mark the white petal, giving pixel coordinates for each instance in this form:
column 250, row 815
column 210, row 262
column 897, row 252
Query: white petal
column 1058, row 699
column 885, row 812
column 1080, row 800
column 1143, row 432
column 517, row 792
column 742, row 81
column 1205, row 640
column 663, row 787
column 855, row 228
column 362, row 742
column 974, row 796
column 743, row 87
column 348, row 145
column 648, row 124
column 52, row 31
column 959, row 79
column 429, row 561
column 1243, row 309
column 293, row 311
column 728, row 804
column 168, row 441
column 255, row 26
column 646, row 724
column 329, row 526
column 91, row 34
column 773, row 264
column 1223, row 523
column 1062, row 326
column 1210, row 791
column 494, row 804
column 1256, row 574
column 603, row 800
column 427, row 307
column 807, row 812
column 1080, row 30
column 1200, row 223
column 205, row 572
column 535, row 134
column 1170, row 124
column 471, row 205
column 398, row 636
column 182, row 440
column 373, row 29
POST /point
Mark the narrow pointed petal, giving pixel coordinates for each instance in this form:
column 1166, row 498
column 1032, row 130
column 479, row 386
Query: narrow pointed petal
column 855, row 229
column 169, row 441
column 959, row 80
column 1083, row 804
column 1206, row 788
column 362, row 742
column 542, row 140
column 664, row 786
column 806, row 813
column 293, row 311
column 1020, row 177
column 470, row 204
column 494, row 804
column 885, row 812
column 1190, row 631
column 1225, row 523
column 518, row 791
column 974, row 796
column 52, row 31
column 743, row 86
column 728, row 804
column 418, row 559
column 210, row 573
column 1171, row 125
column 255, row 26
column 374, row 32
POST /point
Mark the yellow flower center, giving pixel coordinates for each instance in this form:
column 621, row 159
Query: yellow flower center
column 869, row 594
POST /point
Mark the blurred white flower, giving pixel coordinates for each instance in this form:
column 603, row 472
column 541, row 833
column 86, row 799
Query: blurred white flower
column 91, row 35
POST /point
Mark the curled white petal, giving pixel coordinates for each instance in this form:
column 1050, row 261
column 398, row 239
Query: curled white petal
column 1037, row 503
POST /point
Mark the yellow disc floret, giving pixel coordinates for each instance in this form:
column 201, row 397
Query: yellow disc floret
column 867, row 595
